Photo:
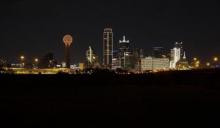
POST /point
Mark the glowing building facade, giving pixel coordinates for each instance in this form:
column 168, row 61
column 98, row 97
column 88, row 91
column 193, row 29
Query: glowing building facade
column 91, row 58
column 154, row 64
column 125, row 53
column 90, row 55
column 107, row 47
column 116, row 61
column 176, row 54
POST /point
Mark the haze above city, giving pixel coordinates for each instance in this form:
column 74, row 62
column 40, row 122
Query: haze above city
column 34, row 28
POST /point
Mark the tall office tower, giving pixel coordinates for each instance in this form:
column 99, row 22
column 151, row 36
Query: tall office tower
column 180, row 46
column 176, row 54
column 125, row 53
column 124, row 44
column 107, row 47
column 141, row 53
column 136, row 61
column 159, row 52
column 116, row 61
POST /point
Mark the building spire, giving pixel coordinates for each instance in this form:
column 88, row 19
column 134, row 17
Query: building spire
column 184, row 55
column 124, row 38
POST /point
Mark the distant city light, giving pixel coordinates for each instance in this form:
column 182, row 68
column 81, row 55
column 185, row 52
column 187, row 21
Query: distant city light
column 195, row 59
column 22, row 57
column 208, row 64
column 197, row 65
column 215, row 59
column 125, row 59
column 36, row 60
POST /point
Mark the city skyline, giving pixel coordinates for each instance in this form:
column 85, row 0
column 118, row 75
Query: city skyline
column 147, row 24
column 98, row 63
column 147, row 53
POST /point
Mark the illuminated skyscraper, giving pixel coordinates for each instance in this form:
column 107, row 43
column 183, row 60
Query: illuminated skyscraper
column 90, row 56
column 116, row 61
column 136, row 61
column 125, row 53
column 180, row 46
column 176, row 54
column 124, row 44
column 107, row 47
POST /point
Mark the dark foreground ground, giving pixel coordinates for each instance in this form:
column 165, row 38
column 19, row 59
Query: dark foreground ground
column 108, row 100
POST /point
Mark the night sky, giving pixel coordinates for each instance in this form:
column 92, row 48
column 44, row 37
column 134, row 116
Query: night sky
column 35, row 27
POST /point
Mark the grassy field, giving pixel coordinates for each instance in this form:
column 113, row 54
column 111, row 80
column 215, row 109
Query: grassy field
column 109, row 100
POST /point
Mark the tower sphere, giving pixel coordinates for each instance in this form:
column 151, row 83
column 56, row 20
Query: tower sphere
column 68, row 40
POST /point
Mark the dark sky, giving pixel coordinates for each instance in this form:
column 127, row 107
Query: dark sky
column 36, row 27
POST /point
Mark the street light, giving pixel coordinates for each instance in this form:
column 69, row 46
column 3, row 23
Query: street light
column 195, row 59
column 36, row 60
column 22, row 60
column 208, row 64
column 197, row 63
column 215, row 59
column 35, row 65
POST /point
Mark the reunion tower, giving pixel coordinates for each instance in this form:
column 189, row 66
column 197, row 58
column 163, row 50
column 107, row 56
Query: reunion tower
column 67, row 40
